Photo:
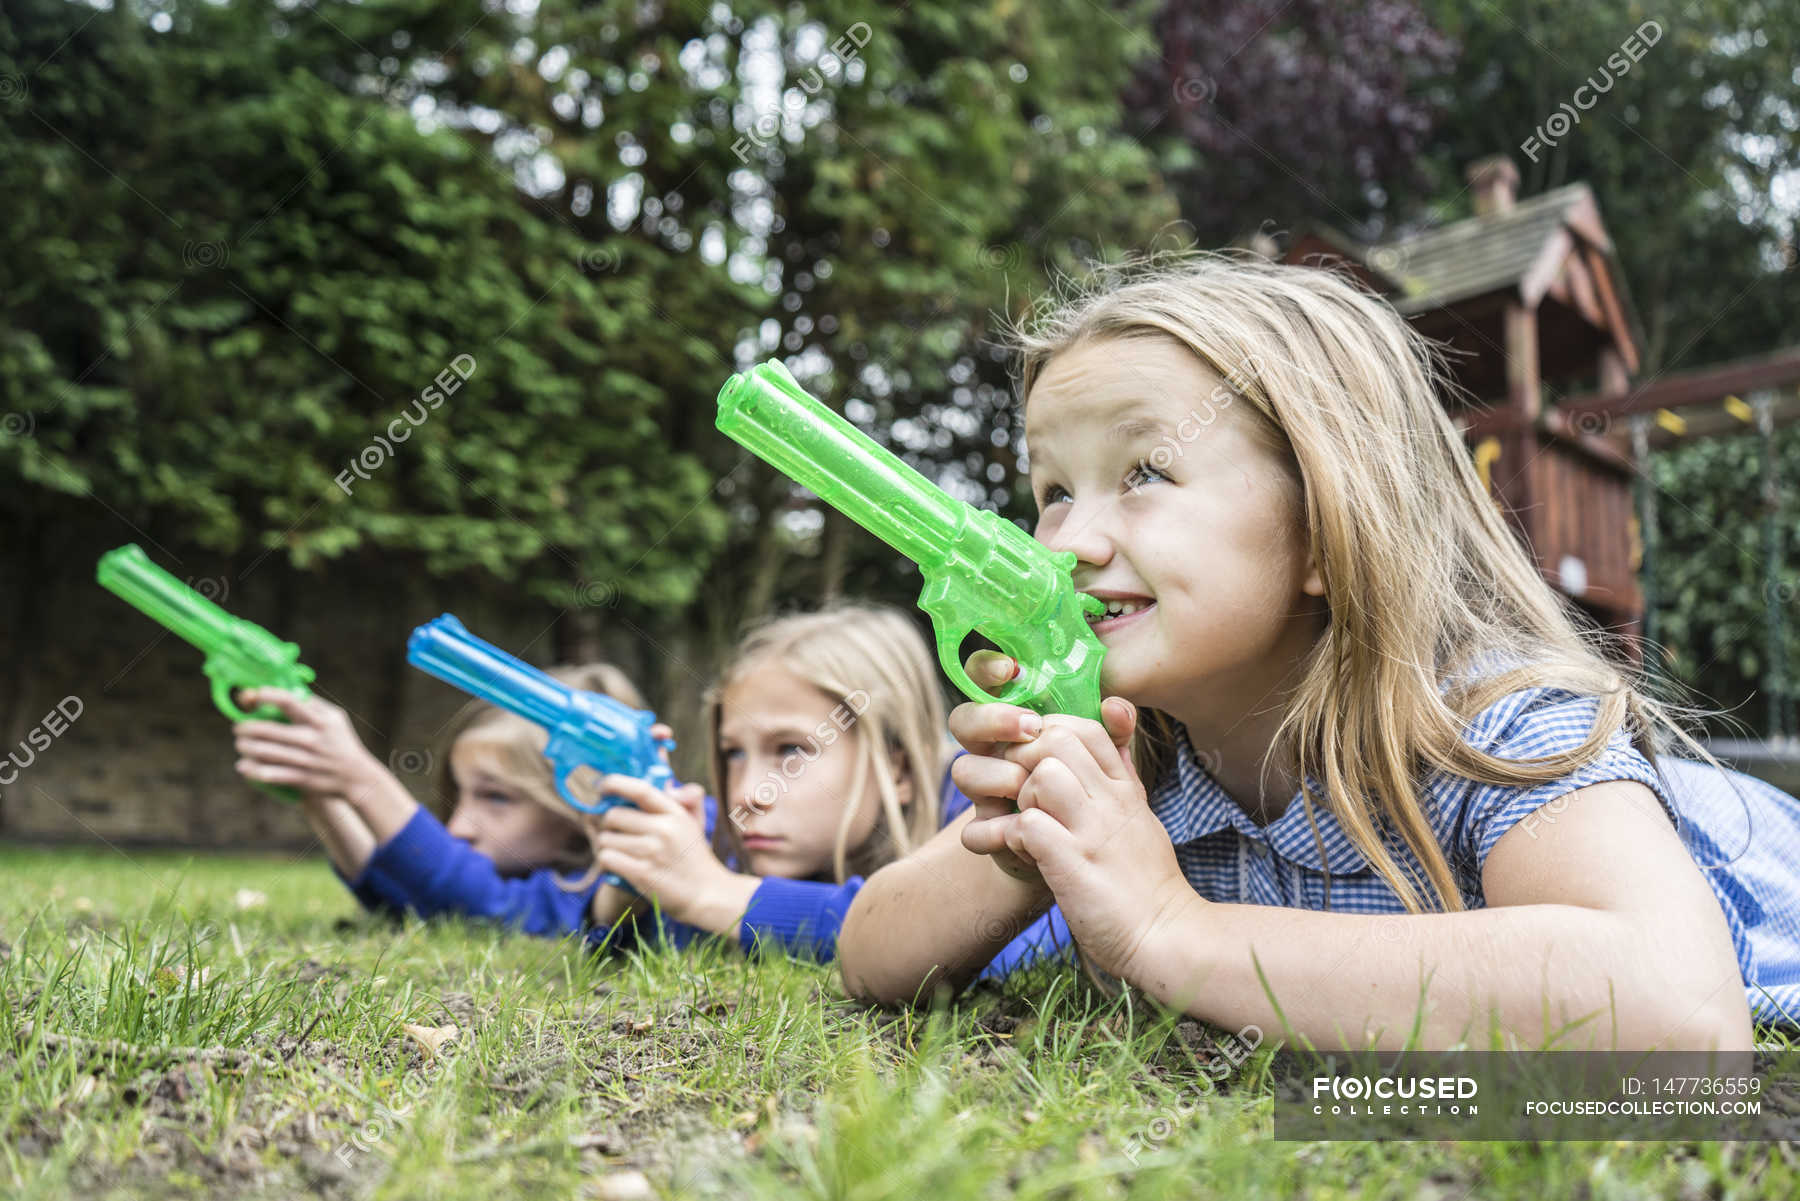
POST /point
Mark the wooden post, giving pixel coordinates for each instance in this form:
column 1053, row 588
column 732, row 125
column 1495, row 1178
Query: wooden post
column 1646, row 491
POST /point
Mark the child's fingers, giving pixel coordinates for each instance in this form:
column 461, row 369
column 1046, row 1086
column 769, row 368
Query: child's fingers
column 985, row 835
column 1039, row 839
column 985, row 776
column 623, row 819
column 1055, row 787
column 642, row 793
column 1120, row 717
column 1086, row 746
column 289, row 703
column 981, row 726
column 627, row 867
column 991, row 669
column 270, row 773
column 664, row 734
column 692, row 799
column 264, row 750
column 641, row 847
column 277, row 731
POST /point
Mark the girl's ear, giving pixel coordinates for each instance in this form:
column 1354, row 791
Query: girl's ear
column 903, row 781
column 1314, row 583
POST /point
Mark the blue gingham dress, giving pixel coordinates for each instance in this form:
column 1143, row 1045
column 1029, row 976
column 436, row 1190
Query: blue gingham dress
column 1743, row 833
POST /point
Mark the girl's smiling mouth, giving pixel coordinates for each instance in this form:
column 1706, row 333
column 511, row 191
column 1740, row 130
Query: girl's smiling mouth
column 1121, row 610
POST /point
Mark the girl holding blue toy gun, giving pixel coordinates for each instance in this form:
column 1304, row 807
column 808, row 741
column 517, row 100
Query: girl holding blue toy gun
column 511, row 850
column 826, row 739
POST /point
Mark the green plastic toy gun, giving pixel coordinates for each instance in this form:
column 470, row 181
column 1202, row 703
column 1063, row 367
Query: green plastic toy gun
column 239, row 653
column 981, row 571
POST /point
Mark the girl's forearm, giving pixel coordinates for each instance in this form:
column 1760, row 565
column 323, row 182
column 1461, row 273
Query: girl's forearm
column 343, row 832
column 1588, row 977
column 382, row 801
column 936, row 917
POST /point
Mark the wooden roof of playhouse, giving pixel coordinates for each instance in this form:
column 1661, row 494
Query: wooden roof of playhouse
column 1526, row 294
column 1528, row 297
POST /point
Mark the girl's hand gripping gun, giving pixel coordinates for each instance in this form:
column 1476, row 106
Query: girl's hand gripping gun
column 239, row 653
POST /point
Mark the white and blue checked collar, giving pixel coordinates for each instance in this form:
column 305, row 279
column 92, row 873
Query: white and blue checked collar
column 1191, row 804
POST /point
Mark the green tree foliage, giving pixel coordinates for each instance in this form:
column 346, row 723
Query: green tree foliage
column 249, row 235
column 234, row 258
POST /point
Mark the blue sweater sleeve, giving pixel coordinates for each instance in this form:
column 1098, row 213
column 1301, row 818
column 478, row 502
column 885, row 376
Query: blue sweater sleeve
column 1046, row 938
column 797, row 915
column 429, row 872
column 655, row 926
column 375, row 891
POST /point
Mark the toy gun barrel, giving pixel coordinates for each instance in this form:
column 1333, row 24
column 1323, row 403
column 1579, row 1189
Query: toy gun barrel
column 445, row 648
column 128, row 572
column 239, row 654
column 767, row 411
column 982, row 572
column 586, row 729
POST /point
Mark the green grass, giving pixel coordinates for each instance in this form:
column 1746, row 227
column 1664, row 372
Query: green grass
column 706, row 1073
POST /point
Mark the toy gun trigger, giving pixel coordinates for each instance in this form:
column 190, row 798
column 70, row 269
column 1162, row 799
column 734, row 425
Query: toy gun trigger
column 951, row 631
column 564, row 765
column 222, row 688
column 1018, row 692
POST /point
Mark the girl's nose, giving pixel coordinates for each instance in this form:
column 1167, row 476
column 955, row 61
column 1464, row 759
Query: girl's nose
column 461, row 826
column 1084, row 529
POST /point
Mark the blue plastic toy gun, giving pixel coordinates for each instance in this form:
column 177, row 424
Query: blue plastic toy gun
column 587, row 729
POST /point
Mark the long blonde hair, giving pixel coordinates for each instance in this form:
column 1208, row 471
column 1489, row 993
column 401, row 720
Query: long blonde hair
column 520, row 762
column 872, row 662
column 1425, row 582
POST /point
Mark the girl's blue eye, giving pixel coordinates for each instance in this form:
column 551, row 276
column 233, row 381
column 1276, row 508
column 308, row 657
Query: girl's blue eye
column 731, row 753
column 1055, row 494
column 789, row 748
column 495, row 798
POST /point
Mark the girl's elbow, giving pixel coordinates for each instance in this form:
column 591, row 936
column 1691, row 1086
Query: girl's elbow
column 1727, row 1026
column 1717, row 1023
column 873, row 970
column 860, row 963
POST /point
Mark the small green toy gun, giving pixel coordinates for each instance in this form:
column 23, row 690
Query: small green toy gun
column 981, row 571
column 239, row 653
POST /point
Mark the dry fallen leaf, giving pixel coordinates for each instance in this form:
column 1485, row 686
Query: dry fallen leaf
column 430, row 1038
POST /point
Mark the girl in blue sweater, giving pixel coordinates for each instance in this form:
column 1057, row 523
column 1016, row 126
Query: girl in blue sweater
column 511, row 851
column 793, row 726
column 825, row 734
